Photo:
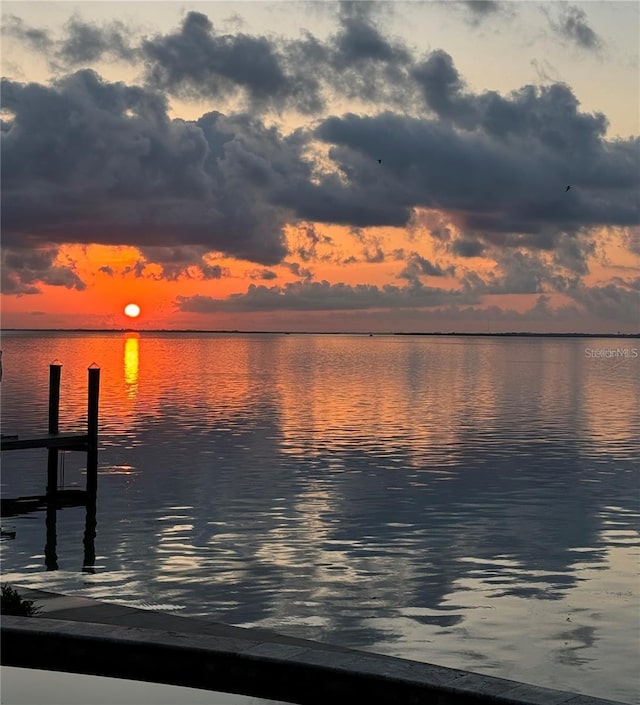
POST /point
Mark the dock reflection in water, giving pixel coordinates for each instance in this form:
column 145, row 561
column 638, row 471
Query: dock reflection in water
column 469, row 502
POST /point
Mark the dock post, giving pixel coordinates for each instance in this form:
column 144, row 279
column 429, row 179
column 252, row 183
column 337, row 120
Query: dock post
column 54, row 420
column 92, row 469
column 50, row 547
column 92, row 431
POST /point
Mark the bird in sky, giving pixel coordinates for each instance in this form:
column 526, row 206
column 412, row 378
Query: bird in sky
column 379, row 161
column 568, row 187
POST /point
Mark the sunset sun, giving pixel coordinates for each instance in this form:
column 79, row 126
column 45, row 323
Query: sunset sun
column 132, row 310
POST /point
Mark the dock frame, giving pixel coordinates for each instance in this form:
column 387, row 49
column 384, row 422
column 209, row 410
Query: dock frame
column 55, row 441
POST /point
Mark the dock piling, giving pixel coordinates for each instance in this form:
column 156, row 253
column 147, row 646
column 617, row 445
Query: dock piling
column 92, row 431
column 54, row 426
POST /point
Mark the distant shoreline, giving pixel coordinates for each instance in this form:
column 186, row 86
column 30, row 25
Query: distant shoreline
column 312, row 332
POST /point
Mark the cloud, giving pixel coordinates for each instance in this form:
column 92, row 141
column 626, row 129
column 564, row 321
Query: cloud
column 197, row 61
column 503, row 182
column 85, row 160
column 23, row 270
column 86, row 42
column 613, row 303
column 307, row 242
column 521, row 272
column 545, row 71
column 36, row 39
column 321, row 296
column 482, row 8
column 631, row 238
column 298, row 270
column 465, row 247
column 433, row 222
column 479, row 12
column 364, row 63
column 107, row 165
column 418, row 266
column 571, row 23
column 213, row 271
column 264, row 274
column 610, row 302
column 442, row 87
column 573, row 253
column 82, row 44
column 634, row 284
column 182, row 262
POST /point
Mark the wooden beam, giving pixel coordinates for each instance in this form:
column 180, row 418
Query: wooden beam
column 62, row 441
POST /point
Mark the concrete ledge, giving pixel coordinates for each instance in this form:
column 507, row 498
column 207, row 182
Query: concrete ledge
column 257, row 666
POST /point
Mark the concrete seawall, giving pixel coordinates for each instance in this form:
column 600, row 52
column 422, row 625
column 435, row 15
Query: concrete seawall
column 80, row 635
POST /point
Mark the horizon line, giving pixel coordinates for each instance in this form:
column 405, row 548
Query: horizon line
column 564, row 334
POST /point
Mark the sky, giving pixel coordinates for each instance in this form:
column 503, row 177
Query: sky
column 324, row 166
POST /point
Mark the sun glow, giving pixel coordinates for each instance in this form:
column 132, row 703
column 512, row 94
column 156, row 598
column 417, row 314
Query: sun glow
column 131, row 364
column 132, row 310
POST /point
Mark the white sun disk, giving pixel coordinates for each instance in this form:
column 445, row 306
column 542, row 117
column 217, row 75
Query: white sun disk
column 132, row 310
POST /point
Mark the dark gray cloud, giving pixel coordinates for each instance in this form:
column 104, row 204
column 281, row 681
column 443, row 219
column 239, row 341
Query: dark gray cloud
column 34, row 38
column 24, row 270
column 85, row 160
column 183, row 262
column 373, row 253
column 570, row 22
column 481, row 13
column 364, row 62
column 359, row 39
column 320, row 296
column 609, row 302
column 443, row 88
column 521, row 272
column 501, row 178
column 82, row 43
column 573, row 253
column 199, row 61
column 307, row 242
column 86, row 43
column 436, row 223
column 466, row 247
column 298, row 270
column 137, row 269
column 107, row 165
column 372, row 247
column 482, row 8
column 360, row 60
column 418, row 266
column 212, row 271
column 264, row 274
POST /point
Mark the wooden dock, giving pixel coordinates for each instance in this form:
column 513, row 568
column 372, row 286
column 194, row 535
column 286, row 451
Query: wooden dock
column 60, row 441
column 58, row 497
column 54, row 441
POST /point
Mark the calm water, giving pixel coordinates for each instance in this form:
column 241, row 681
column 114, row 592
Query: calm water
column 463, row 501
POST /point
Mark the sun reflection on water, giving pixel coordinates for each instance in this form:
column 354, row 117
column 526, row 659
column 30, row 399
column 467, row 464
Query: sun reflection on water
column 131, row 364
